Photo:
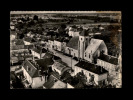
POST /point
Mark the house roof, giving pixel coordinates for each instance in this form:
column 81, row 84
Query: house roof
column 109, row 59
column 59, row 84
column 28, row 46
column 73, row 43
column 55, row 74
column 12, row 33
column 17, row 47
column 43, row 63
column 47, row 55
column 93, row 46
column 50, row 82
column 56, row 57
column 59, row 66
column 19, row 42
column 28, row 39
column 33, row 72
column 37, row 50
column 91, row 67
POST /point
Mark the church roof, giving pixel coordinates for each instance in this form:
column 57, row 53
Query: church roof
column 93, row 45
column 73, row 43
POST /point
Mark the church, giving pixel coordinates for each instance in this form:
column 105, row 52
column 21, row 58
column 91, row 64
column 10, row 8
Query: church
column 85, row 47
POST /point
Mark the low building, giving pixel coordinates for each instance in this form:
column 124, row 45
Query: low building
column 91, row 70
column 108, row 62
column 59, row 67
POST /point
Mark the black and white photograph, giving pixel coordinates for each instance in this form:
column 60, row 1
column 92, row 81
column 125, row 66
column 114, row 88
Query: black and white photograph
column 65, row 49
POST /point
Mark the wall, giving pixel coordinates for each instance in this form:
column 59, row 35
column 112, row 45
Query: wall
column 27, row 76
column 55, row 69
column 88, row 57
column 51, row 43
column 73, row 52
column 57, row 45
column 35, row 54
column 108, row 66
column 38, row 82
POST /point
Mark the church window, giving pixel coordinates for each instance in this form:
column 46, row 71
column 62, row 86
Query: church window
column 81, row 38
column 89, row 55
column 86, row 39
column 85, row 54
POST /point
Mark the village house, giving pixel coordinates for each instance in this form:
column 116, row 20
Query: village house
column 91, row 70
column 35, row 71
column 58, row 44
column 108, row 62
column 18, row 45
column 38, row 52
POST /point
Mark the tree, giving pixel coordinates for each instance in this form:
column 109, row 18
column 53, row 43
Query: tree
column 35, row 17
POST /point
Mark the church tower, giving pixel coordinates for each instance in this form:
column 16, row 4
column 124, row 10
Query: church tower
column 83, row 43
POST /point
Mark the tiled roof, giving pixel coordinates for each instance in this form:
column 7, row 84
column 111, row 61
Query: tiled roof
column 56, row 58
column 28, row 39
column 48, row 55
column 93, row 45
column 43, row 63
column 17, row 47
column 28, row 46
column 91, row 67
column 59, row 84
column 19, row 42
column 59, row 66
column 12, row 33
column 109, row 59
column 73, row 43
column 55, row 74
column 33, row 72
column 37, row 50
column 50, row 82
